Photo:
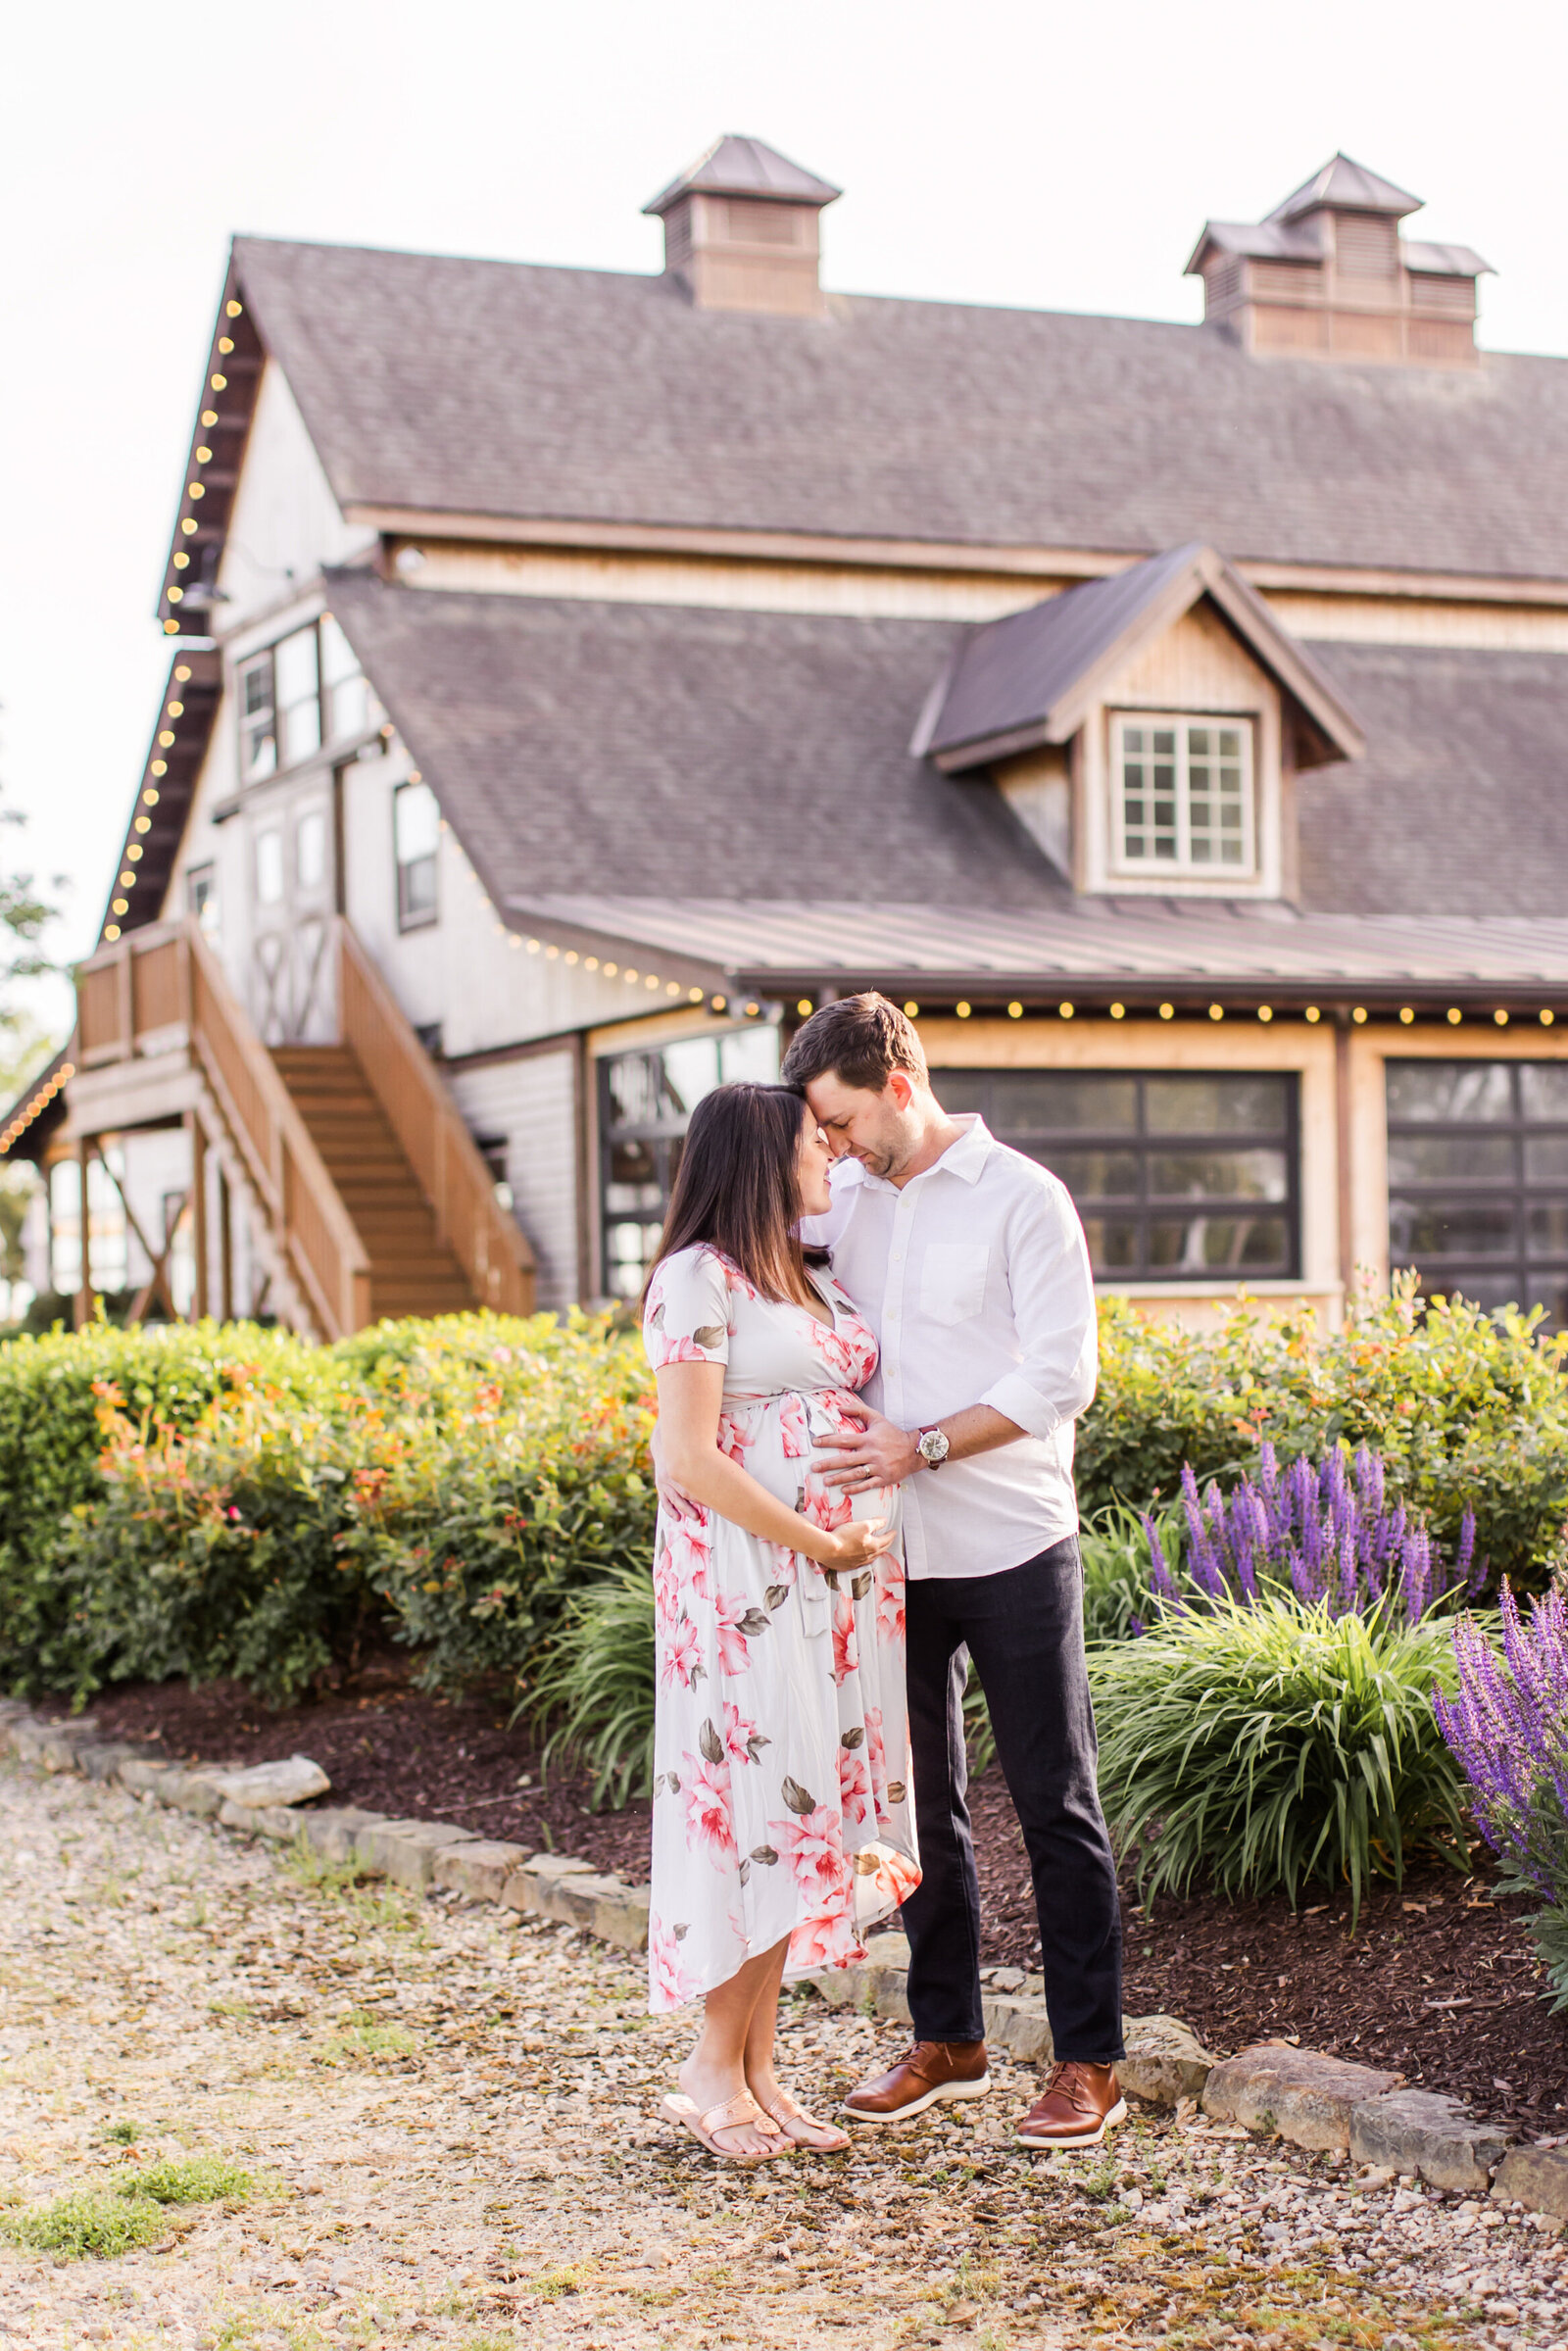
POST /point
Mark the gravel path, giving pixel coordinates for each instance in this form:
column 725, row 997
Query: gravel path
column 444, row 2118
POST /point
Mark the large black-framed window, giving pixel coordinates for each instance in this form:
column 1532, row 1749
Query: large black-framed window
column 1180, row 1176
column 646, row 1100
column 1478, row 1180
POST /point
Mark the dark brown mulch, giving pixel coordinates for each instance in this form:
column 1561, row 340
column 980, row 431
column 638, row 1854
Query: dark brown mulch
column 1438, row 1982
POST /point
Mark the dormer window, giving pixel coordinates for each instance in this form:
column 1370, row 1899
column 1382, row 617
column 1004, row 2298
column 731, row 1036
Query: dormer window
column 1144, row 729
column 1184, row 795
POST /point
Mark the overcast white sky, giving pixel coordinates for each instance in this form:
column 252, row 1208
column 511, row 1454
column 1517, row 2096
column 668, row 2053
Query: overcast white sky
column 999, row 151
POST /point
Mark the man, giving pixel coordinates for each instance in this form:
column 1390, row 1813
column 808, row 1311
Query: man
column 969, row 1263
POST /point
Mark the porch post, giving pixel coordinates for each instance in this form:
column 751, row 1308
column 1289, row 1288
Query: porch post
column 83, row 1316
column 198, row 1211
column 225, row 1248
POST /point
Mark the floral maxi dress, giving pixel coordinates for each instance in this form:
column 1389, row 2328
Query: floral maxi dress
column 781, row 1796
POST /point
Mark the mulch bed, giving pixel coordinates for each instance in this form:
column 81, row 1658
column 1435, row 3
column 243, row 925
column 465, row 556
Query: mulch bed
column 1438, row 1982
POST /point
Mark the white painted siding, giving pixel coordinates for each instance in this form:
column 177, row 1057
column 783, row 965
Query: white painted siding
column 285, row 523
column 531, row 1103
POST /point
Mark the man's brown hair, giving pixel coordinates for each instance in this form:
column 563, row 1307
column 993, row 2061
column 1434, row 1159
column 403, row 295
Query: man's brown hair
column 861, row 1040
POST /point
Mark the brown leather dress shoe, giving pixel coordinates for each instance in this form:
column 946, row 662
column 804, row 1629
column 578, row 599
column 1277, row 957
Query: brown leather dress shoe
column 1078, row 2105
column 929, row 2071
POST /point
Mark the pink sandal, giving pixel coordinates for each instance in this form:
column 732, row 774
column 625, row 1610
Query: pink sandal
column 785, row 2110
column 680, row 2110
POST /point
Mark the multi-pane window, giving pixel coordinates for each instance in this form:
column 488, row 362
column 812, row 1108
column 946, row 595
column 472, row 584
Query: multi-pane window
column 644, row 1102
column 1183, row 794
column 302, row 692
column 1177, row 1178
column 415, row 842
column 1478, row 1179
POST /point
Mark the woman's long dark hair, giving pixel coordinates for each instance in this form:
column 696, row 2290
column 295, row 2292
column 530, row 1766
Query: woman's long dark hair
column 737, row 1189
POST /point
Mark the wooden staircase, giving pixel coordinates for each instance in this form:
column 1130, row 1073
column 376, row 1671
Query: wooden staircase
column 412, row 1271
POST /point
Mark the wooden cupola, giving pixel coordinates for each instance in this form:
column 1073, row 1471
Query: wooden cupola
column 1328, row 276
column 740, row 230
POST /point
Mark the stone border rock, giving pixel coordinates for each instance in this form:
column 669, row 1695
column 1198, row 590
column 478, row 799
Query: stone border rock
column 1290, row 2093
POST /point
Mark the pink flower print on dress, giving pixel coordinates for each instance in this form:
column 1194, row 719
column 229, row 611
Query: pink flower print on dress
column 737, row 1619
column 668, row 1983
column 829, row 1937
column 890, row 1598
column 796, row 1435
column 812, row 1843
column 709, row 1827
column 734, row 1279
column 666, row 1585
column 824, row 1506
column 691, row 1552
column 855, row 1783
column 846, row 1647
column 680, row 1656
column 876, row 1756
column 678, row 1351
column 743, row 1741
column 736, row 1430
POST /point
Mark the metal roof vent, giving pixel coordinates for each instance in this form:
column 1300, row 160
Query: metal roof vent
column 740, row 230
column 1328, row 276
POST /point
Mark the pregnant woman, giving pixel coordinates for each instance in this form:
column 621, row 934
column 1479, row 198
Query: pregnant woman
column 782, row 1822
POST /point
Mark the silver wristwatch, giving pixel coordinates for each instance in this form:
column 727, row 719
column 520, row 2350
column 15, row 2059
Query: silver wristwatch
column 932, row 1446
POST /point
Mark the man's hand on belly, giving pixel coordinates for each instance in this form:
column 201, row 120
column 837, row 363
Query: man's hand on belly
column 886, row 1454
column 882, row 1455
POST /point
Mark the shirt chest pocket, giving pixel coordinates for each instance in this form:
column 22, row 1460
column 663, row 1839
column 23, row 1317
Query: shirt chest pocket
column 953, row 1280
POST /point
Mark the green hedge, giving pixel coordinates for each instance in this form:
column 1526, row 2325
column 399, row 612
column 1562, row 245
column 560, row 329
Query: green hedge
column 227, row 1501
column 1464, row 1408
column 224, row 1501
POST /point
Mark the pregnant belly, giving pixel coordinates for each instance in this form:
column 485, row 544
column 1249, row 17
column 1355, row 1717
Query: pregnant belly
column 777, row 1439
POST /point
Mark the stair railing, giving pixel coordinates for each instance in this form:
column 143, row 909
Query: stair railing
column 161, row 988
column 482, row 1236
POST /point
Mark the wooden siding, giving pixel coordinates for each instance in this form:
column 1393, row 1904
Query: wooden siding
column 531, row 1104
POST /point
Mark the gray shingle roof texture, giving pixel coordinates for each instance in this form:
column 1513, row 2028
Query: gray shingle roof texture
column 667, row 752
column 502, row 389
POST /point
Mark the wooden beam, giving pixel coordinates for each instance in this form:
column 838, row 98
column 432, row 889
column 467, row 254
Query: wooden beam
column 225, row 1248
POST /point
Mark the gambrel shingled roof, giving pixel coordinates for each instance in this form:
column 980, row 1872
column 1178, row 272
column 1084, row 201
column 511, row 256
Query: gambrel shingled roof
column 475, row 388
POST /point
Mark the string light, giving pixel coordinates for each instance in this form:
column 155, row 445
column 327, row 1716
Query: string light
column 572, row 955
column 144, row 824
column 165, row 738
column 1015, row 1011
column 170, row 628
column 1406, row 1015
column 805, row 1007
column 235, row 310
column 1358, row 1015
column 609, row 970
column 693, row 996
column 671, row 986
column 1547, row 1019
column 225, row 344
column 1454, row 1017
column 1066, row 1011
column 149, row 798
column 720, row 1003
column 158, row 768
column 630, row 976
column 1313, row 1015
column 203, row 455
column 209, row 415
column 111, row 930
column 1266, row 1013
column 183, row 673
column 590, row 962
column 187, row 523
column 752, row 1011
column 1216, row 1012
column 1167, row 1011
column 121, row 906
column 1501, row 1019
column 181, row 561
column 1118, row 1011
column 195, row 489
column 912, row 1009
column 962, row 1012
column 127, row 881
column 219, row 383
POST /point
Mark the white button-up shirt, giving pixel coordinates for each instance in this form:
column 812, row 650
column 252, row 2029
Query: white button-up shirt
column 975, row 1277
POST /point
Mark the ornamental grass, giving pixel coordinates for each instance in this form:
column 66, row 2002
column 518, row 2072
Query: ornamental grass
column 1264, row 1745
